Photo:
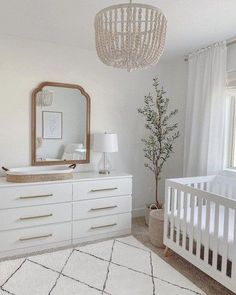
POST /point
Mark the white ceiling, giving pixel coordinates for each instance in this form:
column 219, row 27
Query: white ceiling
column 191, row 23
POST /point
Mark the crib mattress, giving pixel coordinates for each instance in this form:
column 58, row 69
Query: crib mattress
column 211, row 227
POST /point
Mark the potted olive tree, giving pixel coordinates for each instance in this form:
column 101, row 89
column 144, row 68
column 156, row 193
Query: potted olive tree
column 162, row 133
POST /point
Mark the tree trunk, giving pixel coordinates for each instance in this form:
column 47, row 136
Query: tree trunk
column 156, row 178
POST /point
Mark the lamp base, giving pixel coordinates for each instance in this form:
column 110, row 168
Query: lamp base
column 104, row 172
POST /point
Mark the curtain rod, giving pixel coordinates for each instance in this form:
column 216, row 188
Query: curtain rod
column 228, row 43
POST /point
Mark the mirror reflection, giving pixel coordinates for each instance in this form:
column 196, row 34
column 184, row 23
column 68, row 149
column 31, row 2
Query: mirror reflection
column 60, row 125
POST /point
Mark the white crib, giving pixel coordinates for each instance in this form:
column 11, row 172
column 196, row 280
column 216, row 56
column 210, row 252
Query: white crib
column 200, row 224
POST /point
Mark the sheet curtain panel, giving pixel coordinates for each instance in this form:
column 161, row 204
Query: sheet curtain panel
column 205, row 111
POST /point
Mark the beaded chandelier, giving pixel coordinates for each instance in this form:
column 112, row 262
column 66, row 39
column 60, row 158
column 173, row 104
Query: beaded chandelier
column 130, row 36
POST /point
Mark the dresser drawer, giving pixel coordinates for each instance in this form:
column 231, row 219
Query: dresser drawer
column 30, row 195
column 36, row 215
column 101, row 207
column 102, row 188
column 101, row 225
column 23, row 238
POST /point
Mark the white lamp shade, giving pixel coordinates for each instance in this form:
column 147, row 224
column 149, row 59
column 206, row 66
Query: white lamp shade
column 105, row 142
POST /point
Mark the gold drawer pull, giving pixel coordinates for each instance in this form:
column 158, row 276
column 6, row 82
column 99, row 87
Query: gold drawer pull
column 103, row 226
column 34, row 238
column 35, row 197
column 103, row 208
column 103, row 189
column 36, row 217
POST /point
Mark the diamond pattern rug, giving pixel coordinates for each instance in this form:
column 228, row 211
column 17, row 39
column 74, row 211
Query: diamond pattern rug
column 116, row 267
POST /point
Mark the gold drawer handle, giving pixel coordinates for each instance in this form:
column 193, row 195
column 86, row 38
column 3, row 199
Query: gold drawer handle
column 103, row 208
column 103, row 189
column 34, row 238
column 36, row 217
column 103, row 226
column 35, row 197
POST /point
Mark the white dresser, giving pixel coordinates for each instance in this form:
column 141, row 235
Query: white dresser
column 40, row 216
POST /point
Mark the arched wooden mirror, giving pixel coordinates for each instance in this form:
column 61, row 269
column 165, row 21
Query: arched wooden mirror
column 60, row 124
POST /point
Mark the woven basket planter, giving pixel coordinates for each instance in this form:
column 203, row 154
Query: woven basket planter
column 148, row 209
column 156, row 227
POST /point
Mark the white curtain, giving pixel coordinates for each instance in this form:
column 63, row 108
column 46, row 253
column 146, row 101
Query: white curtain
column 205, row 111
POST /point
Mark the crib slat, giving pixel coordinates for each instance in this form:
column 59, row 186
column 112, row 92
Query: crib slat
column 192, row 203
column 214, row 187
column 172, row 214
column 178, row 216
column 185, row 220
column 216, row 234
column 207, row 231
column 225, row 240
column 199, row 226
column 167, row 210
column 209, row 186
column 234, row 247
column 202, row 186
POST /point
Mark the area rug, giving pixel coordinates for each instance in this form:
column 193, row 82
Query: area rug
column 116, row 267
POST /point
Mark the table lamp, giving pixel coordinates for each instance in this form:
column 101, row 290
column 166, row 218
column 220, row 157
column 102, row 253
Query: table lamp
column 105, row 143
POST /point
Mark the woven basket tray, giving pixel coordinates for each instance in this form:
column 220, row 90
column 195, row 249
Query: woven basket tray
column 39, row 177
column 39, row 174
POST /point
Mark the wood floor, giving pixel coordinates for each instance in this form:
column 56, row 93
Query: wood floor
column 204, row 282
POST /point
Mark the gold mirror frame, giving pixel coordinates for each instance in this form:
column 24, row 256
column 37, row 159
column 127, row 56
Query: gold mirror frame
column 33, row 130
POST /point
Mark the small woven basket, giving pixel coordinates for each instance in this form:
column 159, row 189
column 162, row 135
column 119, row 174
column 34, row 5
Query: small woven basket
column 156, row 227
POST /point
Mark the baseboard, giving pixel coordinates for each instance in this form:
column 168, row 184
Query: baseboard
column 138, row 212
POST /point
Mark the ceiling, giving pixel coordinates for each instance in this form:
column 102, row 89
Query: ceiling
column 192, row 24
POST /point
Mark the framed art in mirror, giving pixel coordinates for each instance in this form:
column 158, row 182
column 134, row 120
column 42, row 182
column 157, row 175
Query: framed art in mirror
column 60, row 124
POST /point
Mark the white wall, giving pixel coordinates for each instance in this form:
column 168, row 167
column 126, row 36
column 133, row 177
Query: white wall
column 115, row 96
column 174, row 76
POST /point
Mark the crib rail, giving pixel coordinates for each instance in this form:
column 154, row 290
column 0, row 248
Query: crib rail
column 201, row 227
column 194, row 181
